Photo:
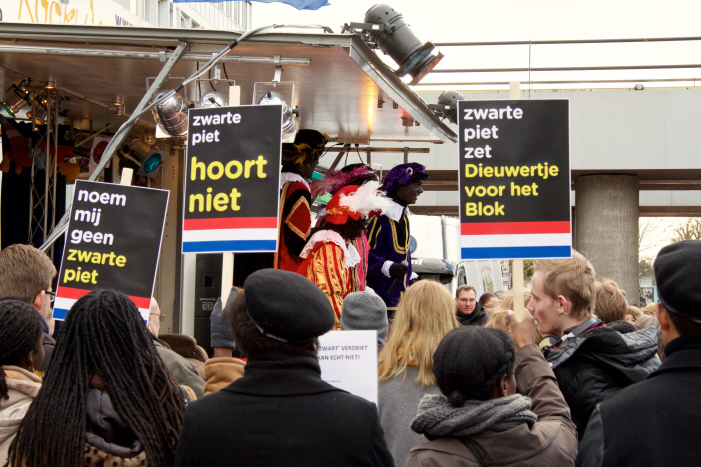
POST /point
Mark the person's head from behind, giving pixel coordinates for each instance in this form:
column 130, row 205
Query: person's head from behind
column 489, row 302
column 365, row 311
column 425, row 314
column 466, row 299
column 26, row 274
column 633, row 314
column 21, row 339
column 507, row 302
column 677, row 271
column 562, row 293
column 102, row 337
column 650, row 309
column 610, row 304
column 474, row 363
column 279, row 310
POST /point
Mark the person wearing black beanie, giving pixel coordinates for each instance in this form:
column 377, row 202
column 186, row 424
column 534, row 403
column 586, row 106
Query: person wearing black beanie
column 479, row 417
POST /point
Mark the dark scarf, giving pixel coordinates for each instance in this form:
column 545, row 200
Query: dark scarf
column 478, row 317
column 437, row 418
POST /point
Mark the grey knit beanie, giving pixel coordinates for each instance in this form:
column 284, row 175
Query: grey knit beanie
column 365, row 311
column 220, row 332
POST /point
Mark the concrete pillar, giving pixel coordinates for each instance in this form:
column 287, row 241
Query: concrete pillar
column 606, row 220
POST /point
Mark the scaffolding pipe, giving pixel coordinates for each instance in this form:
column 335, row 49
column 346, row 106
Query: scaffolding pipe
column 162, row 56
column 572, row 41
column 571, row 68
column 584, row 81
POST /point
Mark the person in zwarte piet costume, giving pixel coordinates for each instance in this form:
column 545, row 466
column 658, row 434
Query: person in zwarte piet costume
column 329, row 256
column 333, row 181
column 299, row 159
column 388, row 235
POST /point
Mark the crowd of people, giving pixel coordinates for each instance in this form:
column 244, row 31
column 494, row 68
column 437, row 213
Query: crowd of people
column 577, row 378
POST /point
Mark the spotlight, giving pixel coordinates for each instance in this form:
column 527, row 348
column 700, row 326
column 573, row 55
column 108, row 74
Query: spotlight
column 22, row 97
column 447, row 106
column 213, row 99
column 171, row 115
column 37, row 115
column 385, row 28
column 151, row 159
column 279, row 93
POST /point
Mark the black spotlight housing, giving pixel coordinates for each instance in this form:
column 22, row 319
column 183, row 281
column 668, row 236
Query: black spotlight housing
column 447, row 106
column 450, row 100
column 385, row 28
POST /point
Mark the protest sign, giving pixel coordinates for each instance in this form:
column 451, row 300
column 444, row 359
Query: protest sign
column 232, row 175
column 348, row 360
column 514, row 172
column 113, row 241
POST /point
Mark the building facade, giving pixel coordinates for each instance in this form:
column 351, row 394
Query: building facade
column 231, row 16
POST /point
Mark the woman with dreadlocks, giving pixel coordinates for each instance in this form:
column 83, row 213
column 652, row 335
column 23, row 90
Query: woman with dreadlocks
column 108, row 399
column 299, row 159
column 21, row 351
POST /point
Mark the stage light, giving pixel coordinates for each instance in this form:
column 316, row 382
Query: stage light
column 447, row 105
column 279, row 93
column 21, row 98
column 213, row 99
column 385, row 28
column 171, row 115
column 151, row 159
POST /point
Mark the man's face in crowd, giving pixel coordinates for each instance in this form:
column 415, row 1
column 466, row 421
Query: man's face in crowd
column 408, row 194
column 466, row 301
column 46, row 310
column 544, row 308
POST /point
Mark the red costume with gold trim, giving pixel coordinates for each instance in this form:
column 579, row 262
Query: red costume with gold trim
column 295, row 221
column 329, row 258
column 326, row 266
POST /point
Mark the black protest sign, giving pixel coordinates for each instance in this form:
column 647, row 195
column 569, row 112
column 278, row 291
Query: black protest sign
column 113, row 241
column 232, row 178
column 514, row 174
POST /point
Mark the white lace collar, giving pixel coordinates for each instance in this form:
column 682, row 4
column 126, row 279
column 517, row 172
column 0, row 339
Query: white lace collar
column 395, row 211
column 350, row 254
column 291, row 177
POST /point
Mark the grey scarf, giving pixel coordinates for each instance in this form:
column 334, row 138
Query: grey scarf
column 436, row 417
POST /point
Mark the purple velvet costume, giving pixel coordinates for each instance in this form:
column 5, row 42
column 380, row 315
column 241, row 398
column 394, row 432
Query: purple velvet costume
column 388, row 236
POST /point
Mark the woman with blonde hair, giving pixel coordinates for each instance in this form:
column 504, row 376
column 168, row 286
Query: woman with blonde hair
column 499, row 318
column 424, row 315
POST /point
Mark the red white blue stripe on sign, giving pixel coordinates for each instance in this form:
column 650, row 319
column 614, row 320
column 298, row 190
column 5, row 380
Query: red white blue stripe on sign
column 67, row 296
column 236, row 234
column 515, row 240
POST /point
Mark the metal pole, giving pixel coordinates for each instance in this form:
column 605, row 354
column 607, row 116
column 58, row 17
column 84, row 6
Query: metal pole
column 576, row 41
column 567, row 68
column 105, row 53
column 47, row 167
column 119, row 136
column 55, row 160
column 517, row 264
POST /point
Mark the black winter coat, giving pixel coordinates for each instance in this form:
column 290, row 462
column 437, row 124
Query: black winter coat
column 281, row 413
column 478, row 317
column 655, row 422
column 596, row 364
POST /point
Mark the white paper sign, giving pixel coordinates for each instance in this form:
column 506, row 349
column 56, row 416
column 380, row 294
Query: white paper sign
column 348, row 360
